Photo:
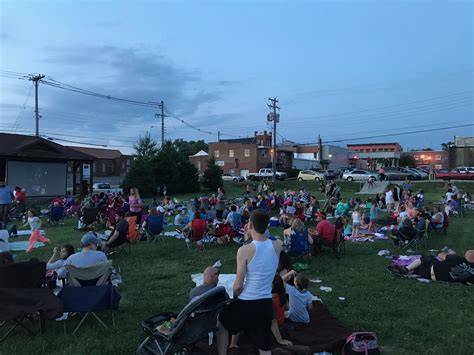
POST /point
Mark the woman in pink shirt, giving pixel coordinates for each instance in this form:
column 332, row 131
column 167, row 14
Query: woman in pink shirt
column 136, row 204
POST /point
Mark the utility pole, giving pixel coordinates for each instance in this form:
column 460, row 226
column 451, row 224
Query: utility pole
column 320, row 143
column 218, row 136
column 161, row 105
column 36, row 79
column 275, row 118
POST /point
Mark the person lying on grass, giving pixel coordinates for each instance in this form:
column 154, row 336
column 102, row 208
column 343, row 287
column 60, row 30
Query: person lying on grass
column 446, row 267
column 301, row 300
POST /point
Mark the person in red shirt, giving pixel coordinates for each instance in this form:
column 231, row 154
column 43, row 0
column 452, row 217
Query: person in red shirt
column 323, row 234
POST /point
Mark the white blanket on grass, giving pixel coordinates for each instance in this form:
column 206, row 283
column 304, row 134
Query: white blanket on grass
column 28, row 233
column 226, row 280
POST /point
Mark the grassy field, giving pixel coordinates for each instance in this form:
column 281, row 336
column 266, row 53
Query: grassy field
column 409, row 317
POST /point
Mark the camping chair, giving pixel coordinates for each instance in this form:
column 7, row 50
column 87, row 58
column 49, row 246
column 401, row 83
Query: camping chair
column 23, row 299
column 198, row 232
column 90, row 218
column 132, row 228
column 194, row 323
column 338, row 244
column 444, row 229
column 56, row 214
column 154, row 228
column 88, row 290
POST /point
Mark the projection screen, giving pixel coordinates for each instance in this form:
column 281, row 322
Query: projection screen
column 39, row 179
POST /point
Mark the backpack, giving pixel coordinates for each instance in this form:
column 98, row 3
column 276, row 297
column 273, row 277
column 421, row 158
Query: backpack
column 361, row 343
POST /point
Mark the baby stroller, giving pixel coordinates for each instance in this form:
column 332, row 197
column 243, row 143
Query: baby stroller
column 193, row 324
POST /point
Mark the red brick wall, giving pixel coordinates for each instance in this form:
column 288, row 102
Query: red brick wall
column 392, row 147
column 230, row 163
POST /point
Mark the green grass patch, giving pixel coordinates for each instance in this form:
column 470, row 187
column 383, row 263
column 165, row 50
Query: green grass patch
column 409, row 317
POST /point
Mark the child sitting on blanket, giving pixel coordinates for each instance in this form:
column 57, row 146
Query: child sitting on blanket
column 35, row 225
column 301, row 300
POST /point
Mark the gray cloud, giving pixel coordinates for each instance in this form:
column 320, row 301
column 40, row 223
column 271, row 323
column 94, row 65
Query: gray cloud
column 122, row 72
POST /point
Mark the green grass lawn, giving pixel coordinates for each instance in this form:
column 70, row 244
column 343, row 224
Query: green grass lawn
column 409, row 317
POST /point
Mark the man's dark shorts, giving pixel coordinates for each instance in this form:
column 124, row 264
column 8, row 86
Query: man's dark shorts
column 255, row 317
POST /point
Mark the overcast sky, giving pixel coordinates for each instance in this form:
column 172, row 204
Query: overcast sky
column 341, row 69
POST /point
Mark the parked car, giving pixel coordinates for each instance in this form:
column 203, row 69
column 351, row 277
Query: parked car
column 466, row 169
column 105, row 187
column 330, row 174
column 310, row 175
column 416, row 174
column 424, row 174
column 265, row 174
column 360, row 175
column 455, row 174
column 232, row 177
column 397, row 173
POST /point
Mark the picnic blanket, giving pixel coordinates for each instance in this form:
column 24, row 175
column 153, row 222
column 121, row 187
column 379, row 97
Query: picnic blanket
column 27, row 233
column 23, row 245
column 225, row 280
column 404, row 260
column 323, row 333
column 363, row 238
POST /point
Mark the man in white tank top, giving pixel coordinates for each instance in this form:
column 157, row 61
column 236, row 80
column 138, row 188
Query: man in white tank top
column 252, row 310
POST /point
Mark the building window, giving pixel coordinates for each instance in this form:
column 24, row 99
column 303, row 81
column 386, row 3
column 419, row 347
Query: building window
column 264, row 153
column 231, row 153
column 438, row 157
column 199, row 165
column 246, row 153
column 216, row 153
column 416, row 157
column 128, row 162
column 103, row 167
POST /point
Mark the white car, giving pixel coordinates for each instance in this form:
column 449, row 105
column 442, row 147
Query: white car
column 360, row 175
column 232, row 177
column 310, row 175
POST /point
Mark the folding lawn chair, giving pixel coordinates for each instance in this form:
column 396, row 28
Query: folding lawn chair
column 154, row 228
column 88, row 291
column 89, row 219
column 198, row 231
column 56, row 214
column 338, row 244
column 22, row 299
column 194, row 323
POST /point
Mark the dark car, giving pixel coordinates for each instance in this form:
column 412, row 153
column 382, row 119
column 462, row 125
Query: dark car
column 330, row 174
column 397, row 173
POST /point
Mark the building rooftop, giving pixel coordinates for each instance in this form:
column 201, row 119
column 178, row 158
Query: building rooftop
column 31, row 146
column 99, row 153
column 250, row 140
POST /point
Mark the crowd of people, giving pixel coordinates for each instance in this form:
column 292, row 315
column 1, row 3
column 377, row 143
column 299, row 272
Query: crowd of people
column 267, row 291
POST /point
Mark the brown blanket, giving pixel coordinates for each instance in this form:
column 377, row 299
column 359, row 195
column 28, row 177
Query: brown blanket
column 16, row 303
column 323, row 333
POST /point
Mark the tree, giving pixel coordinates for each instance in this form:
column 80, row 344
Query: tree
column 406, row 160
column 146, row 147
column 448, row 145
column 189, row 148
column 212, row 178
column 153, row 168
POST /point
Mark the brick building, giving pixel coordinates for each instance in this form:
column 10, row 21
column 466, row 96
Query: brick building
column 247, row 155
column 374, row 155
column 107, row 162
column 425, row 158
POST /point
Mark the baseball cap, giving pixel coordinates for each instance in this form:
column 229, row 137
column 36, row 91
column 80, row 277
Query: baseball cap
column 320, row 214
column 90, row 238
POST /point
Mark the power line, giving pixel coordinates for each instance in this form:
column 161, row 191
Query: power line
column 397, row 134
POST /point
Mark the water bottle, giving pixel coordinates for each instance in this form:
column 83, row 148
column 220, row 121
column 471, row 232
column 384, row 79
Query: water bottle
column 217, row 264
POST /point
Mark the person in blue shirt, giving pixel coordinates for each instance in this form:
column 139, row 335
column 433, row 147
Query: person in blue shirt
column 6, row 198
column 300, row 300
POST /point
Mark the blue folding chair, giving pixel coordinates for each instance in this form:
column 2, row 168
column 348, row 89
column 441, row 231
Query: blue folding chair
column 56, row 214
column 89, row 291
column 154, row 228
